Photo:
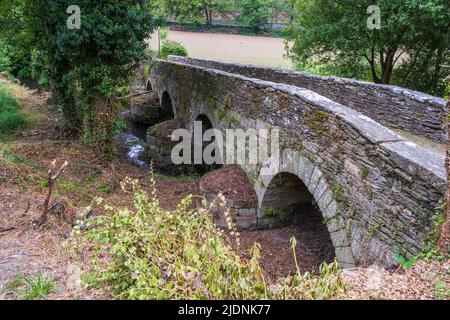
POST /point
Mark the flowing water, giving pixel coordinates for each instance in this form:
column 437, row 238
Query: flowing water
column 133, row 149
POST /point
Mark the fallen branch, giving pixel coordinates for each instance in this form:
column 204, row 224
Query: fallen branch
column 51, row 182
column 7, row 229
column 28, row 208
column 134, row 95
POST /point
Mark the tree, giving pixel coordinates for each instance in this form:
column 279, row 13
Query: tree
column 414, row 35
column 278, row 7
column 254, row 13
column 197, row 11
column 16, row 37
column 90, row 65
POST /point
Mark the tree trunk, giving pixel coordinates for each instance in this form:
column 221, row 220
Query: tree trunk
column 373, row 69
column 207, row 7
column 100, row 124
column 387, row 65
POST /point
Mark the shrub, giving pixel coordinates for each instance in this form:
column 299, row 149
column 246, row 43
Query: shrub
column 5, row 57
column 180, row 254
column 11, row 118
column 173, row 48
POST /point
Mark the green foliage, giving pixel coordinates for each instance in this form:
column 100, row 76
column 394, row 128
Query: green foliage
column 407, row 264
column 338, row 195
column 16, row 37
column 29, row 287
column 196, row 11
column 317, row 120
column 441, row 288
column 180, row 254
column 276, row 213
column 8, row 156
column 164, row 34
column 364, row 171
column 409, row 50
column 253, row 13
column 5, row 57
column 104, row 188
column 194, row 14
column 173, row 48
column 85, row 68
column 375, row 228
column 11, row 119
column 66, row 186
column 430, row 250
column 185, row 177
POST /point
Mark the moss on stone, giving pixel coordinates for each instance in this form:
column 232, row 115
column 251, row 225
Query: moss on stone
column 284, row 102
column 317, row 120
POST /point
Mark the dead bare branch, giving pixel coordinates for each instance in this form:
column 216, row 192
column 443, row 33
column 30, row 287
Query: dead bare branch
column 7, row 229
column 51, row 182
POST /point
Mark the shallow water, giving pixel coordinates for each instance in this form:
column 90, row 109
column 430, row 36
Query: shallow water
column 133, row 150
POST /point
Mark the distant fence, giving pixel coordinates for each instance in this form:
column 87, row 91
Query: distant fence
column 277, row 26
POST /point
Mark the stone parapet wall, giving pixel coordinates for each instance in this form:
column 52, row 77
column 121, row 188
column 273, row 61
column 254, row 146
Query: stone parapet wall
column 391, row 106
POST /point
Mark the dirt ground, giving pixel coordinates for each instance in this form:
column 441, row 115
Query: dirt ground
column 277, row 257
column 25, row 249
column 263, row 51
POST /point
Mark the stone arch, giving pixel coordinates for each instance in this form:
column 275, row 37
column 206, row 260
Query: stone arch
column 313, row 181
column 206, row 124
column 148, row 85
column 167, row 107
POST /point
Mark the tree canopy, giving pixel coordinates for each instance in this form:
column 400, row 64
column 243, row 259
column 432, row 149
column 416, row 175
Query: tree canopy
column 197, row 11
column 86, row 66
column 410, row 47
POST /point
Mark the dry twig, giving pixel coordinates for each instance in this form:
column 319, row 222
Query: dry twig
column 51, row 182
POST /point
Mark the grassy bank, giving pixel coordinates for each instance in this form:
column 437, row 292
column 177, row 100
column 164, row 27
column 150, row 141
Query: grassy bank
column 11, row 117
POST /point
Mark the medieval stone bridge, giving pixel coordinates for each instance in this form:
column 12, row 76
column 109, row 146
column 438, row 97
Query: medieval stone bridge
column 377, row 192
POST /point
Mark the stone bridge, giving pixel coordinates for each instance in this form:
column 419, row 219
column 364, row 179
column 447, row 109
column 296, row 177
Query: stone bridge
column 377, row 191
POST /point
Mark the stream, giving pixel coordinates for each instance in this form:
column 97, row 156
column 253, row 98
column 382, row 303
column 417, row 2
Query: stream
column 132, row 144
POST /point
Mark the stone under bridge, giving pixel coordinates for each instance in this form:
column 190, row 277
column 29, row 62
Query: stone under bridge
column 377, row 191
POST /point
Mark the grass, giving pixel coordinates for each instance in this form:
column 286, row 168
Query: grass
column 29, row 287
column 186, row 177
column 11, row 118
column 442, row 290
column 104, row 188
column 7, row 156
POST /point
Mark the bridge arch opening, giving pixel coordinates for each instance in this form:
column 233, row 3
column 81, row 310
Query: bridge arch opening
column 167, row 112
column 288, row 202
column 206, row 125
column 206, row 122
column 148, row 86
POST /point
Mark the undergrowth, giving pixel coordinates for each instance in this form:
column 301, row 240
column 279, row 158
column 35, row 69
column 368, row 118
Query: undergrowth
column 180, row 254
column 11, row 118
